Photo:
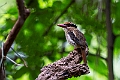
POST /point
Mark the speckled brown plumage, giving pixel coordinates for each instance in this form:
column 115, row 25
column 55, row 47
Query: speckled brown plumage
column 75, row 38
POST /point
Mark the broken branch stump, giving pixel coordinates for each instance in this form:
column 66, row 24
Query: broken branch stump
column 64, row 68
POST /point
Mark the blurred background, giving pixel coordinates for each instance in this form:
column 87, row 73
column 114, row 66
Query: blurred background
column 41, row 42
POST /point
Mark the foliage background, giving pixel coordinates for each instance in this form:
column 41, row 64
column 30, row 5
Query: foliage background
column 42, row 42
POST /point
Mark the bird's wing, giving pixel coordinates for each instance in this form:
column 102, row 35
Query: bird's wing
column 82, row 42
column 79, row 35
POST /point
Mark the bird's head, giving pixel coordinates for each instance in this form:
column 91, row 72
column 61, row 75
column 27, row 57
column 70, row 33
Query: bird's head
column 67, row 25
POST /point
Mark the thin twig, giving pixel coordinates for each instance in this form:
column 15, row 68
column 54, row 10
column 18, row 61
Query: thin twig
column 3, row 4
column 25, row 64
column 55, row 21
column 95, row 55
column 90, row 54
column 13, row 62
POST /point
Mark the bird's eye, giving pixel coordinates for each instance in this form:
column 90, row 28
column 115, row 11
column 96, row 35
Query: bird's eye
column 71, row 25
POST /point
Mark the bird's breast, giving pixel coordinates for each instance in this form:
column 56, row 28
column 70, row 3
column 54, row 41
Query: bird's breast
column 69, row 40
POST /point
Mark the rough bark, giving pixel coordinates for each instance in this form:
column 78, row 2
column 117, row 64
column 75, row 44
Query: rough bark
column 64, row 68
column 110, row 40
column 23, row 14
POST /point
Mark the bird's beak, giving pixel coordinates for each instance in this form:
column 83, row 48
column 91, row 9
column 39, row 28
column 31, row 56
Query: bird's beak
column 62, row 25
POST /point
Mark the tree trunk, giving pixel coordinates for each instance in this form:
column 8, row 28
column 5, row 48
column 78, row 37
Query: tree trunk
column 110, row 40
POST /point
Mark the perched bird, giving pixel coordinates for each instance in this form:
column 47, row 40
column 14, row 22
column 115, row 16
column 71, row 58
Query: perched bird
column 75, row 38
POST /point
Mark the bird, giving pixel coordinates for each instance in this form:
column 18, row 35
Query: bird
column 76, row 38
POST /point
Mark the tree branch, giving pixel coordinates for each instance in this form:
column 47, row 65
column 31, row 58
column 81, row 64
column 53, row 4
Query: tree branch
column 23, row 14
column 64, row 68
column 55, row 21
column 90, row 54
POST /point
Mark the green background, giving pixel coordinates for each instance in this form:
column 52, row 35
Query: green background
column 42, row 42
